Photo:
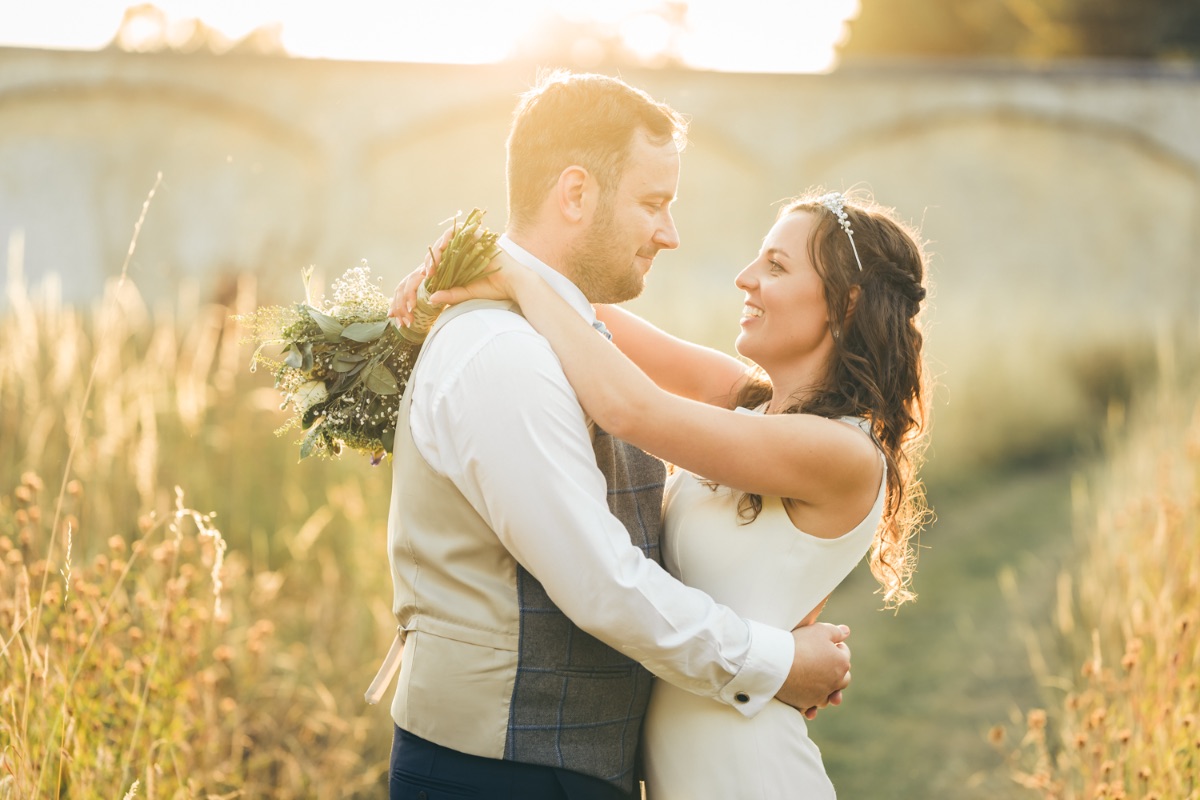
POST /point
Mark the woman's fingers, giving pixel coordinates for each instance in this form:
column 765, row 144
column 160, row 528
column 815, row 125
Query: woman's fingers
column 405, row 297
column 397, row 304
column 404, row 300
column 451, row 296
column 493, row 285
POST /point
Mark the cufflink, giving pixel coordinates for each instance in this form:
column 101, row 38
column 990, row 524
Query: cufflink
column 742, row 697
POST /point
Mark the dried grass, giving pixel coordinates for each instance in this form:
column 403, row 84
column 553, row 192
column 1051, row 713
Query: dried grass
column 1120, row 651
column 144, row 652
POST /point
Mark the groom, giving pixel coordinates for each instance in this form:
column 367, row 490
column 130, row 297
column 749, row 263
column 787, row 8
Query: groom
column 524, row 542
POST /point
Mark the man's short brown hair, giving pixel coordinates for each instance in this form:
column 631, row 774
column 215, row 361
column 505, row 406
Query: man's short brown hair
column 579, row 119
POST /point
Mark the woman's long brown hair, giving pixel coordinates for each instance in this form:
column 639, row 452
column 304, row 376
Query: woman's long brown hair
column 876, row 371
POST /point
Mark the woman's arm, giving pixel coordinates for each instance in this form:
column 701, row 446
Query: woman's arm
column 677, row 365
column 811, row 459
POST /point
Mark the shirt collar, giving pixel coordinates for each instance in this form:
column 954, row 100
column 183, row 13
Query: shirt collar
column 560, row 283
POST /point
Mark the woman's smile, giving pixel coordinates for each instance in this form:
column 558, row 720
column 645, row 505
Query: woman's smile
column 750, row 312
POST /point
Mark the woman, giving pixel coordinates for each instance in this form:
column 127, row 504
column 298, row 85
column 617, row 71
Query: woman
column 795, row 468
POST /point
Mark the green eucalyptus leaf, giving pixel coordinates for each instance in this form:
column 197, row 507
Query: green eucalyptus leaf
column 365, row 331
column 336, row 384
column 381, row 381
column 344, row 362
column 294, row 359
column 308, row 445
column 309, row 394
column 328, row 325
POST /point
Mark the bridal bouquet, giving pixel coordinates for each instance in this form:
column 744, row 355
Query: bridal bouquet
column 343, row 364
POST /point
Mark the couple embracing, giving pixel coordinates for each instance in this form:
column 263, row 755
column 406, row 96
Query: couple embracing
column 565, row 629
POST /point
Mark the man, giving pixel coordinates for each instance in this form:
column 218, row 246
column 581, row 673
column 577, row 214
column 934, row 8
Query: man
column 524, row 545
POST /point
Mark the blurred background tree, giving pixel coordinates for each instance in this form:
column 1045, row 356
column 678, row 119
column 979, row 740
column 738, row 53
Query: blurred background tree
column 146, row 28
column 651, row 34
column 1154, row 29
column 648, row 38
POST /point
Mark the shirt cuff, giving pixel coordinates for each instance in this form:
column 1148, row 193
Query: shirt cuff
column 767, row 666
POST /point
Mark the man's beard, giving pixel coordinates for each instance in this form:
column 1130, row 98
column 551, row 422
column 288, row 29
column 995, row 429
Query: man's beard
column 598, row 268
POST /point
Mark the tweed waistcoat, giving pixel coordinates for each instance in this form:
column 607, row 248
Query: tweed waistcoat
column 490, row 665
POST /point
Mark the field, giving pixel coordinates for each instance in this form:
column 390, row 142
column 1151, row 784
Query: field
column 185, row 611
column 1119, row 653
column 127, row 655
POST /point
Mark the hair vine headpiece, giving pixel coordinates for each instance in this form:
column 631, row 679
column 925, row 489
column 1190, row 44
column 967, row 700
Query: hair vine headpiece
column 836, row 202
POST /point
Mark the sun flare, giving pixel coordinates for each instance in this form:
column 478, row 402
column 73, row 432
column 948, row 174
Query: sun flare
column 748, row 36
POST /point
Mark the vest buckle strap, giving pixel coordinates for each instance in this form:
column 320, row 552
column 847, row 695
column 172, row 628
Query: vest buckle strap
column 387, row 670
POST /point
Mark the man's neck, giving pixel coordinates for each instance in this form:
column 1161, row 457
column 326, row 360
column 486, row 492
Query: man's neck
column 541, row 246
column 558, row 281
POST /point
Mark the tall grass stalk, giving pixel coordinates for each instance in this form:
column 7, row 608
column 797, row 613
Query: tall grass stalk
column 66, row 474
column 1120, row 651
column 83, row 406
column 171, row 657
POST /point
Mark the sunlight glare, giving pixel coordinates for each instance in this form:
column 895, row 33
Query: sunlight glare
column 458, row 32
column 646, row 36
column 610, row 13
column 746, row 36
column 232, row 18
column 759, row 36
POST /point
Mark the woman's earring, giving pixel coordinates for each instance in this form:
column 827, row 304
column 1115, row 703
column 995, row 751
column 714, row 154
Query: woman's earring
column 836, row 334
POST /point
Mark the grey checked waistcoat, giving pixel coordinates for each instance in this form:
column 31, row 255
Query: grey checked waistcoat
column 491, row 666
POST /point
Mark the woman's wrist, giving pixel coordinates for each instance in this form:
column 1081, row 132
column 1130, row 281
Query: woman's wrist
column 519, row 281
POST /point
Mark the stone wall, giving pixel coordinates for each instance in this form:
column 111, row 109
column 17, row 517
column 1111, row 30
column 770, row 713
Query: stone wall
column 1054, row 200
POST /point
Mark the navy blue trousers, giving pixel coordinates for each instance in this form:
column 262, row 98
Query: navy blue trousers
column 422, row 770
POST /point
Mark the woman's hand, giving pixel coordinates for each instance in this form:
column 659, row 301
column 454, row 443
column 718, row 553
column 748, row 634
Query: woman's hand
column 405, row 298
column 502, row 282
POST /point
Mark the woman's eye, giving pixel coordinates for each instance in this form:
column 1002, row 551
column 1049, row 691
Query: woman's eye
column 775, row 266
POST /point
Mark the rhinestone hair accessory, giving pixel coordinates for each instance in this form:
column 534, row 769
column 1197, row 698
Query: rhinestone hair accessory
column 836, row 202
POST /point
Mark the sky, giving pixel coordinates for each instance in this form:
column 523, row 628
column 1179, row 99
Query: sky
column 741, row 36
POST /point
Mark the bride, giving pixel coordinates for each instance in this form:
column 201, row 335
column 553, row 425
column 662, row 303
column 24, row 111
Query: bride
column 788, row 472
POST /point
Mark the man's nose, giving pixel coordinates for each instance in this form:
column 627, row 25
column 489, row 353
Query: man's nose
column 667, row 236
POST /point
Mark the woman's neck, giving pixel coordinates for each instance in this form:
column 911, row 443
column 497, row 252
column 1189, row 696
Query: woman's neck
column 781, row 400
column 792, row 389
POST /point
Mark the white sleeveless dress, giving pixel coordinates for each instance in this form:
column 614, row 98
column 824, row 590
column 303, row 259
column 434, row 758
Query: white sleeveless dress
column 696, row 748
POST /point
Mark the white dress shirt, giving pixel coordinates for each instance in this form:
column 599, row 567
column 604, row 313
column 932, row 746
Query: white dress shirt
column 493, row 412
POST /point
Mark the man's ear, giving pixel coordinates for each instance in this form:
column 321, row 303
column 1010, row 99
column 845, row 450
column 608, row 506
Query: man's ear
column 576, row 193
